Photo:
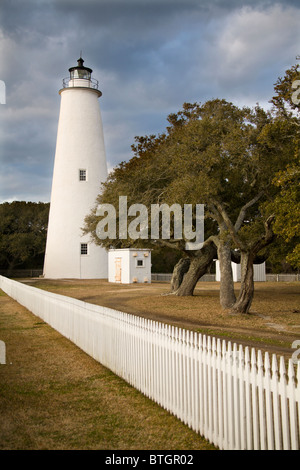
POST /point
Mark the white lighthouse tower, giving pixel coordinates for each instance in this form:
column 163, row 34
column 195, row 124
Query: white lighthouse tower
column 79, row 169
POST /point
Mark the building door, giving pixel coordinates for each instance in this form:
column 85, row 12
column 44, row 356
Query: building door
column 118, row 269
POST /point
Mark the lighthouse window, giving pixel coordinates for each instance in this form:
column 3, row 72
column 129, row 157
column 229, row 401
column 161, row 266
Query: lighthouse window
column 140, row 263
column 83, row 74
column 80, row 74
column 83, row 248
column 82, row 175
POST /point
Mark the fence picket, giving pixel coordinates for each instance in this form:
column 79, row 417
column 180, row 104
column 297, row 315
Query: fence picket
column 298, row 402
column 201, row 387
column 177, row 372
column 242, row 403
column 230, row 397
column 255, row 419
column 292, row 406
column 269, row 415
column 276, row 404
column 284, row 405
column 220, row 427
column 235, row 400
column 204, row 379
column 209, row 390
column 214, row 400
column 224, row 397
column 195, row 384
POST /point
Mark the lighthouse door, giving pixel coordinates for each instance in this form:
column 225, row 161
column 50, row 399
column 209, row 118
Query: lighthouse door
column 118, row 269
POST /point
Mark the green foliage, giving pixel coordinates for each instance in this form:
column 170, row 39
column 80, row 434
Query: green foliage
column 282, row 100
column 23, row 228
column 164, row 259
column 215, row 154
column 286, row 137
column 276, row 255
column 286, row 207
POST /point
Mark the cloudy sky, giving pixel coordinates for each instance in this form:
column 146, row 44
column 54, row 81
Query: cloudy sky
column 150, row 56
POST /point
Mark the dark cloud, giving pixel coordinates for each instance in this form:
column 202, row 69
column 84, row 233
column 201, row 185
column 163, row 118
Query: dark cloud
column 150, row 56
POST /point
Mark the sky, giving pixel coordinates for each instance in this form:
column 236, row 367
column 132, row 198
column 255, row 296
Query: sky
column 149, row 56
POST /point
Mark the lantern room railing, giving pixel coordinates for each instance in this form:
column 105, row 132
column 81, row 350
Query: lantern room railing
column 89, row 83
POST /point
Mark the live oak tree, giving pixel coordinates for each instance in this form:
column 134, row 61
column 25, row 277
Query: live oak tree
column 209, row 160
column 277, row 153
column 255, row 153
column 275, row 149
column 286, row 204
column 227, row 158
column 214, row 154
column 144, row 179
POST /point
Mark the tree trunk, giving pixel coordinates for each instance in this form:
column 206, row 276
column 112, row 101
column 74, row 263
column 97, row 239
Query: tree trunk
column 179, row 271
column 248, row 256
column 244, row 300
column 227, row 296
column 199, row 266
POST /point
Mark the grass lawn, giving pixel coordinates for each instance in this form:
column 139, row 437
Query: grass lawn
column 272, row 325
column 53, row 396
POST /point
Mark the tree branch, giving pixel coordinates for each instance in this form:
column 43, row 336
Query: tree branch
column 230, row 226
column 267, row 238
column 243, row 210
column 215, row 213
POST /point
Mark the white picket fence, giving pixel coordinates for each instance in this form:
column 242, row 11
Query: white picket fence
column 235, row 398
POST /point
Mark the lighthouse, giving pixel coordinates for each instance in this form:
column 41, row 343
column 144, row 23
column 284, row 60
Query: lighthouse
column 79, row 169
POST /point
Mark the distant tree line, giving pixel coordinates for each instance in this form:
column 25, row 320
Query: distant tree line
column 23, row 231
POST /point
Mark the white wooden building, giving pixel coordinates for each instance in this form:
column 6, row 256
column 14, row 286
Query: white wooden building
column 259, row 272
column 129, row 265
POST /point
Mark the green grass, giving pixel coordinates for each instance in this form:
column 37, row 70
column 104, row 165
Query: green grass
column 56, row 397
column 244, row 337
